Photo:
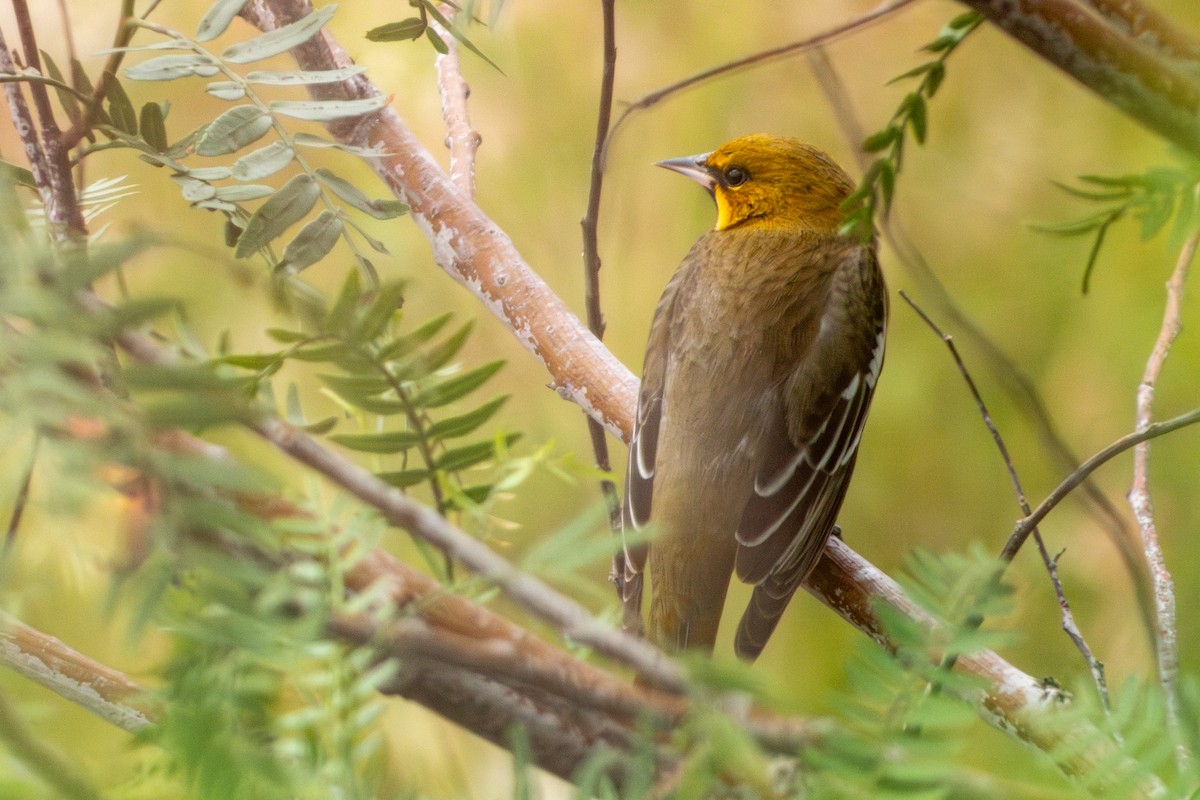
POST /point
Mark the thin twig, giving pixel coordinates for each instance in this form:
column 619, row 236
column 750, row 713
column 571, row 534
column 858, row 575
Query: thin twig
column 63, row 213
column 755, row 60
column 1080, row 475
column 1069, row 626
column 461, row 138
column 91, row 111
column 595, row 314
column 1165, row 631
column 20, row 501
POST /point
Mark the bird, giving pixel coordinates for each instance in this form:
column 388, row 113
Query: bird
column 763, row 356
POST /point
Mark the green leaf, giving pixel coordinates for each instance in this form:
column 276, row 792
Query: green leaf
column 383, row 443
column 920, row 69
column 255, row 361
column 233, row 130
column 226, row 90
column 154, row 128
column 120, row 110
column 404, row 345
column 313, row 242
column 404, row 30
column 1080, row 226
column 310, row 140
column 303, row 77
column 321, row 427
column 457, row 34
column 881, row 140
column 288, row 206
column 168, row 68
column 438, row 43
column 917, row 117
column 352, row 386
column 342, row 311
column 189, row 377
column 326, row 110
column 68, row 101
column 386, row 301
column 132, row 313
column 404, row 478
column 287, row 337
column 243, row 193
column 438, row 356
column 349, row 193
column 439, row 394
column 217, row 19
column 279, row 40
column 937, row 73
column 263, row 162
column 453, row 427
column 461, row 458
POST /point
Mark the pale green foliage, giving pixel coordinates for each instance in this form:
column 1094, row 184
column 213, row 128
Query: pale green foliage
column 224, row 188
column 874, row 193
column 1156, row 198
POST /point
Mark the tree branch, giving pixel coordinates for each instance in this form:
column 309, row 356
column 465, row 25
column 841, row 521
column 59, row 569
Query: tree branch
column 1165, row 631
column 1152, row 90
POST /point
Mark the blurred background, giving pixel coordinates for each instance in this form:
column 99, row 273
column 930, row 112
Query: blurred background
column 1002, row 129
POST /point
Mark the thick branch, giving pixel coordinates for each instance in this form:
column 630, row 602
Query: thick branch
column 471, row 247
column 466, row 242
column 50, row 663
column 1154, row 91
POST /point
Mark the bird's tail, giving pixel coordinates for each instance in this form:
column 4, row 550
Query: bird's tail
column 767, row 604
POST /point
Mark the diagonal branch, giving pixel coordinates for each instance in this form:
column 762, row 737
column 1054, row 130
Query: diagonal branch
column 1160, row 94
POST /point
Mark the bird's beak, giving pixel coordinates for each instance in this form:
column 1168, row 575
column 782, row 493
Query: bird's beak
column 694, row 167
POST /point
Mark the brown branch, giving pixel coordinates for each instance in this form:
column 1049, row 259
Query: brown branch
column 48, row 662
column 461, row 138
column 1165, row 630
column 631, row 618
column 1150, row 28
column 472, row 248
column 1160, row 94
column 63, row 213
column 465, row 242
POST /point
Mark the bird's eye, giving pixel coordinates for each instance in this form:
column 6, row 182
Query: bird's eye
column 736, row 176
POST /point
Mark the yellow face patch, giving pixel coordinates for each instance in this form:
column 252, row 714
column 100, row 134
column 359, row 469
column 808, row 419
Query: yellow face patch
column 724, row 210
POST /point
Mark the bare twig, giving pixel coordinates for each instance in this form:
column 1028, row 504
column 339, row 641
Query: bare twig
column 755, row 60
column 1165, row 631
column 1069, row 626
column 631, row 618
column 461, row 138
column 1080, row 475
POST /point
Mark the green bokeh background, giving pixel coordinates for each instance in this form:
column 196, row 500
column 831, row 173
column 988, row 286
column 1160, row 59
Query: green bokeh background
column 1002, row 128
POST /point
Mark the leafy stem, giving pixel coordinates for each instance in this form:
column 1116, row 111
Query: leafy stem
column 874, row 194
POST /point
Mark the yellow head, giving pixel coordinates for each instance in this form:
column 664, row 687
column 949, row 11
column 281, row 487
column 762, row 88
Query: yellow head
column 770, row 182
